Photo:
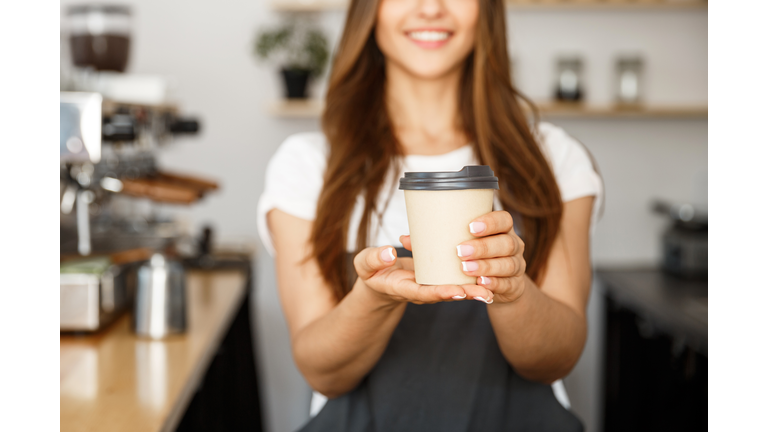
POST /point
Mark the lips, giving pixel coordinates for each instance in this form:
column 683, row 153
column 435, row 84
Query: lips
column 429, row 38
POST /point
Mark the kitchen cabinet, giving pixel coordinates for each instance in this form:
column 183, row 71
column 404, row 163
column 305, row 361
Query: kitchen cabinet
column 656, row 362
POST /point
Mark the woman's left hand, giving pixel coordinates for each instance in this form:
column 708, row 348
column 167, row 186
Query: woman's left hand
column 495, row 257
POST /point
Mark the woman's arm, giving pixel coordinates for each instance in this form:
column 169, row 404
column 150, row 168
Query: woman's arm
column 543, row 332
column 335, row 344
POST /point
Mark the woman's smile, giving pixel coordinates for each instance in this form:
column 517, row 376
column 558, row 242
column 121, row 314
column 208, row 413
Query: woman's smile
column 429, row 38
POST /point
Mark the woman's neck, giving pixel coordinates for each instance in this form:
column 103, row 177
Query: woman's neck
column 424, row 112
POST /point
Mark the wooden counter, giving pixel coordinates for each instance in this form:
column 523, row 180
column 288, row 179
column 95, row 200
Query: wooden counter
column 115, row 381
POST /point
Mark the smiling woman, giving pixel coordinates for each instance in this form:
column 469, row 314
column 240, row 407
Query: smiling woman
column 424, row 85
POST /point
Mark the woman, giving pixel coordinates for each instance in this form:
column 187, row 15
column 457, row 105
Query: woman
column 424, row 85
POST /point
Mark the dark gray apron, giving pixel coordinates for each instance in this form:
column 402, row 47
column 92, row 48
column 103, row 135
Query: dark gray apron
column 443, row 371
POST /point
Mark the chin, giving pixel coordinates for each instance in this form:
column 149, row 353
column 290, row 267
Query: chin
column 430, row 70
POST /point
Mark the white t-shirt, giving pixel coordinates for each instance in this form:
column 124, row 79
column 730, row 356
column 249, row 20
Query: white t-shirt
column 294, row 180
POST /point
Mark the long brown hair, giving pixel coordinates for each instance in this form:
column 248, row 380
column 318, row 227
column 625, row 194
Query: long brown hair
column 363, row 145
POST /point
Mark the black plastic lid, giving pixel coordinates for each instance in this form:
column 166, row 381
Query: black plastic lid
column 470, row 177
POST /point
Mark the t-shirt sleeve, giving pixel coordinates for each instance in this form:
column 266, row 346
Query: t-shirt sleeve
column 294, row 179
column 574, row 171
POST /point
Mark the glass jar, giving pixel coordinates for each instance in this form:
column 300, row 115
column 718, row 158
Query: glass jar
column 99, row 36
column 629, row 71
column 569, row 85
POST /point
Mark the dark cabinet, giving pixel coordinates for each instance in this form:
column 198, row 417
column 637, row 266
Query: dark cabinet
column 655, row 352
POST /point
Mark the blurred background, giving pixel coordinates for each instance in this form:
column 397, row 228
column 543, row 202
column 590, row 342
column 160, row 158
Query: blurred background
column 626, row 78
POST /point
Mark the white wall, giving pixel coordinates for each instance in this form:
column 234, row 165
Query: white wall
column 206, row 47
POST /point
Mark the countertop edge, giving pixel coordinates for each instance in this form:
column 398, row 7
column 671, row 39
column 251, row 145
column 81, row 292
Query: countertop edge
column 668, row 318
column 185, row 396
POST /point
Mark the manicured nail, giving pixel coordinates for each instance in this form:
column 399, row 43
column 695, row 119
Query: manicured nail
column 459, row 297
column 387, row 255
column 477, row 227
column 469, row 266
column 465, row 250
column 484, row 280
column 483, row 300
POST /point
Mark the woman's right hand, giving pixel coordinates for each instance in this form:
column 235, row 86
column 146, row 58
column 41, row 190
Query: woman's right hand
column 393, row 279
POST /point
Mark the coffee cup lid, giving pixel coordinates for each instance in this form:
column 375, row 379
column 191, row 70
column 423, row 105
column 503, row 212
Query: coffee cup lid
column 470, row 177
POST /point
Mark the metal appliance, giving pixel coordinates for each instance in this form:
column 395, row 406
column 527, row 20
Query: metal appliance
column 684, row 243
column 93, row 293
column 107, row 161
column 160, row 308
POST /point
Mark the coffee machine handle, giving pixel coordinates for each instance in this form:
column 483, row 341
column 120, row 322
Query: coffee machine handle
column 68, row 198
column 84, row 198
column 179, row 125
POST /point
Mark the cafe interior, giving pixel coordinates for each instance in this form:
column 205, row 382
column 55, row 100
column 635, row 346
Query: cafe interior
column 170, row 316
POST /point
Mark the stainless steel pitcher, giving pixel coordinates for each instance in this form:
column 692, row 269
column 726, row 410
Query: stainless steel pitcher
column 161, row 299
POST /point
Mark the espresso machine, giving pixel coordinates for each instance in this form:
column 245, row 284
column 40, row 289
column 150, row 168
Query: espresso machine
column 112, row 126
column 109, row 183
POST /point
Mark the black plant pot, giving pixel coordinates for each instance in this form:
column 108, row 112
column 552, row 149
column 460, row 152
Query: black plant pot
column 295, row 83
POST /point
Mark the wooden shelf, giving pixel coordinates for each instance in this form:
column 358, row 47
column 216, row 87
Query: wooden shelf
column 308, row 5
column 577, row 110
column 628, row 5
column 327, row 5
column 296, row 108
column 313, row 108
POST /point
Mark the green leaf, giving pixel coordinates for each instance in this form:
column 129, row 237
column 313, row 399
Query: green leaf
column 300, row 45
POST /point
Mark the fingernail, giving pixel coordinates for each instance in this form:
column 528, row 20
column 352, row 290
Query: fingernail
column 387, row 255
column 484, row 280
column 469, row 266
column 476, row 227
column 465, row 250
column 483, row 300
column 459, row 297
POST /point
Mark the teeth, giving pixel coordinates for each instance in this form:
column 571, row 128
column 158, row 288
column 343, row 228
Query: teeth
column 428, row 36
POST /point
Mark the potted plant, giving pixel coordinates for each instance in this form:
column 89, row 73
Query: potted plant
column 300, row 49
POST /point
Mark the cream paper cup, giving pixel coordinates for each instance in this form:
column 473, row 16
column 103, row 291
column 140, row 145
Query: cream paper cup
column 440, row 206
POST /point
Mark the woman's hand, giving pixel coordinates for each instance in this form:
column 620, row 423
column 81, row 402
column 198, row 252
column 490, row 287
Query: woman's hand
column 393, row 279
column 495, row 257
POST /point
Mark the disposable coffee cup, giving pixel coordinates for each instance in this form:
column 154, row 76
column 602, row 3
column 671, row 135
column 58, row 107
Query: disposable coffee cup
column 440, row 206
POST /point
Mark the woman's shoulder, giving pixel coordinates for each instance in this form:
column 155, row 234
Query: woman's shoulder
column 298, row 164
column 558, row 144
column 572, row 164
column 302, row 148
column 293, row 180
column 300, row 159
